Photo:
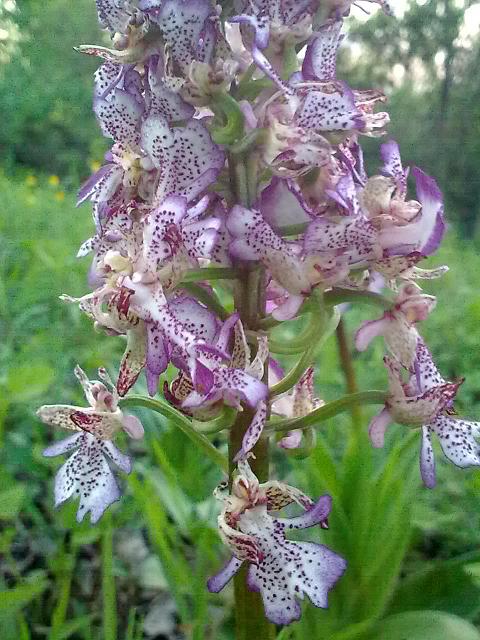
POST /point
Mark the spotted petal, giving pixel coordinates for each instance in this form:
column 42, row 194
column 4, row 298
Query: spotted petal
column 254, row 431
column 458, row 439
column 133, row 359
column 330, row 109
column 357, row 238
column 217, row 582
column 427, row 374
column 254, row 239
column 183, row 24
column 233, row 385
column 195, row 162
column 119, row 117
column 102, row 185
column 300, row 568
column 392, row 165
column 113, row 16
column 280, row 495
column 427, row 459
column 320, row 62
column 162, row 100
column 102, row 424
column 87, row 474
column 157, row 356
column 288, row 570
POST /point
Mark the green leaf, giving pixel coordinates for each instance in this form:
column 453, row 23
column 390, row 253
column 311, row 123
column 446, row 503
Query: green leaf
column 180, row 421
column 73, row 626
column 425, row 625
column 15, row 599
column 11, row 501
column 443, row 586
column 27, row 382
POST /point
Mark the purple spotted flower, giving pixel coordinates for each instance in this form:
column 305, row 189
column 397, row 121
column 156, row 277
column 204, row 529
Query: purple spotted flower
column 397, row 325
column 299, row 402
column 218, row 373
column 282, row 571
column 138, row 264
column 87, row 473
column 291, row 264
column 425, row 401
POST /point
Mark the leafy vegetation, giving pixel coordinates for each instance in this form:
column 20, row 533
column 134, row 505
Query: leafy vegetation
column 143, row 570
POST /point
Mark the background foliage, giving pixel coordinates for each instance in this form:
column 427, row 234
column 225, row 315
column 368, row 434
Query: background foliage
column 414, row 560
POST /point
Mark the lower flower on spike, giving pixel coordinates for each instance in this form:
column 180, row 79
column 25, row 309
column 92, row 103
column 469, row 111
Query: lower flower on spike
column 398, row 324
column 425, row 401
column 282, row 571
column 87, row 472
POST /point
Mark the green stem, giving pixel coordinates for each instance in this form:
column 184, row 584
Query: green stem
column 109, row 594
column 220, row 423
column 294, row 375
column 290, row 60
column 254, row 137
column 208, row 273
column 328, row 410
column 246, row 78
column 348, row 369
column 249, row 297
column 182, row 422
column 338, row 295
column 64, row 570
column 208, row 298
column 293, row 229
column 227, row 109
column 292, row 347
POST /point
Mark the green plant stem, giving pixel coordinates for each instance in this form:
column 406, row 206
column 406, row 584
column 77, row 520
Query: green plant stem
column 339, row 295
column 324, row 330
column 335, row 296
column 254, row 137
column 328, row 410
column 208, row 298
column 182, row 422
column 297, row 345
column 227, row 109
column 109, row 594
column 249, row 295
column 348, row 371
column 63, row 585
column 220, row 423
column 208, row 273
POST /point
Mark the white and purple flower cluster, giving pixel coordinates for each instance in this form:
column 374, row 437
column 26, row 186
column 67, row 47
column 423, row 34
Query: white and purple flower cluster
column 190, row 93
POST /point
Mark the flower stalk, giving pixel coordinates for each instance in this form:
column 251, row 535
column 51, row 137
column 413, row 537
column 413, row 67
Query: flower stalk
column 250, row 620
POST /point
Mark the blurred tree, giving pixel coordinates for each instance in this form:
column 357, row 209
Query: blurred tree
column 9, row 31
column 45, row 88
column 429, row 63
